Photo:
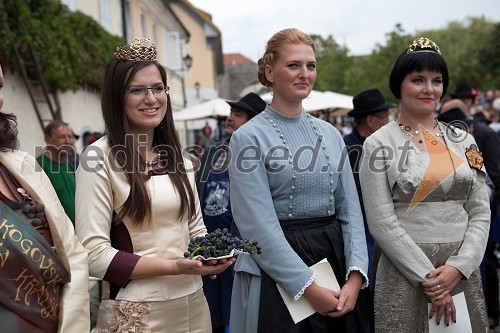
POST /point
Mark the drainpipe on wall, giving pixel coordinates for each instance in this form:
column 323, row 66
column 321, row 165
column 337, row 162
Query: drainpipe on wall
column 124, row 22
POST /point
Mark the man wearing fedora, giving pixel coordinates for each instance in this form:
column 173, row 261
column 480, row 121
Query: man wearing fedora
column 370, row 113
column 466, row 94
column 212, row 182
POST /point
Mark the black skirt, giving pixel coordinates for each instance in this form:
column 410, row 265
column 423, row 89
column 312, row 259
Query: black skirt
column 313, row 239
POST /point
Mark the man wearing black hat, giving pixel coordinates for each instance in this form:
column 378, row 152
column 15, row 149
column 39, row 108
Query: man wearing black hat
column 370, row 112
column 213, row 191
column 467, row 94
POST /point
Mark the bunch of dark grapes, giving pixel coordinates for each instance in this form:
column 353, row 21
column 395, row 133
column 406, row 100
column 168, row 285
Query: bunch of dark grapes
column 219, row 243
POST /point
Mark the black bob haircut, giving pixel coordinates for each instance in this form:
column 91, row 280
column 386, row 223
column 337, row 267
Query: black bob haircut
column 417, row 62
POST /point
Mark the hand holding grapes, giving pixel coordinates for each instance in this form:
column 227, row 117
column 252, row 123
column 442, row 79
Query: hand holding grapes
column 219, row 244
column 199, row 267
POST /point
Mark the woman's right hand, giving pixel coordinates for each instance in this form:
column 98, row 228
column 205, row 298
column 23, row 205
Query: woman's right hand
column 322, row 300
column 197, row 267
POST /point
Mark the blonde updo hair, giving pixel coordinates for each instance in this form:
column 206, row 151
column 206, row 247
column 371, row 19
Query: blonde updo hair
column 284, row 37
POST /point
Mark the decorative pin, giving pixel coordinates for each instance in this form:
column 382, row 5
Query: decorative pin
column 474, row 157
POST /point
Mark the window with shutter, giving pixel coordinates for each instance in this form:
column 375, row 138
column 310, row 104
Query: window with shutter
column 105, row 14
column 143, row 24
column 128, row 21
column 172, row 50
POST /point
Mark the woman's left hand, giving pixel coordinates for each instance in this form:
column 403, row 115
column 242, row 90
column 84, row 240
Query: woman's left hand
column 348, row 295
column 445, row 279
column 214, row 262
column 198, row 267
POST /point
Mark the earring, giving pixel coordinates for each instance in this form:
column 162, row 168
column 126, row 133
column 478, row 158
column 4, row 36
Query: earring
column 161, row 125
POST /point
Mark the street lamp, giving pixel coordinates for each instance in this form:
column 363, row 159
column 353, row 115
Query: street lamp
column 197, row 87
column 187, row 62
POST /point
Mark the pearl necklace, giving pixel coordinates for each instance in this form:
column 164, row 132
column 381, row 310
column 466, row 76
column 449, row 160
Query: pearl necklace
column 319, row 137
column 154, row 161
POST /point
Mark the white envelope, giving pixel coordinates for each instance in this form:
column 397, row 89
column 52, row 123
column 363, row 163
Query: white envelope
column 463, row 320
column 301, row 309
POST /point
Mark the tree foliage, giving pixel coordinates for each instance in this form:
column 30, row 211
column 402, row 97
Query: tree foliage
column 71, row 48
column 463, row 46
column 333, row 61
column 471, row 49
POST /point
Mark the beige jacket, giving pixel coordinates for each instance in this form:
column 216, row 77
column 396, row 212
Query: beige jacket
column 102, row 188
column 74, row 304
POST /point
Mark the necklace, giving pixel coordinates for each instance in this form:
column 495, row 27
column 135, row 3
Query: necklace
column 154, row 161
column 434, row 151
column 293, row 162
column 426, row 133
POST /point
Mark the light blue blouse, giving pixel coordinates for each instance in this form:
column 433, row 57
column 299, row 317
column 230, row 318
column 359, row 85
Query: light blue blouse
column 292, row 168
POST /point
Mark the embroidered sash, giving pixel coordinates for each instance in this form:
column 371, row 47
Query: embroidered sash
column 31, row 274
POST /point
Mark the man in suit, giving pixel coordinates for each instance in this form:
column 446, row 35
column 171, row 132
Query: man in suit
column 213, row 191
column 370, row 113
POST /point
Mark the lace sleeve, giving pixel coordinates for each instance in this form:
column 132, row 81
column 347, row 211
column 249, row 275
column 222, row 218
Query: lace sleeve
column 309, row 282
column 355, row 268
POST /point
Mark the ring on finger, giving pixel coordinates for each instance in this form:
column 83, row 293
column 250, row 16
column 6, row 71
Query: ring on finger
column 439, row 287
column 213, row 277
column 450, row 309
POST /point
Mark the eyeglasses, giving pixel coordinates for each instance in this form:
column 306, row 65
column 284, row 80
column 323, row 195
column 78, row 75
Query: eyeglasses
column 385, row 118
column 143, row 91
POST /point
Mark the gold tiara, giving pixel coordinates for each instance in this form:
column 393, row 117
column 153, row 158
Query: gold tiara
column 139, row 50
column 423, row 44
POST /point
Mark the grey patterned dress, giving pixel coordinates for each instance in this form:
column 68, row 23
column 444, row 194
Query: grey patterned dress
column 448, row 226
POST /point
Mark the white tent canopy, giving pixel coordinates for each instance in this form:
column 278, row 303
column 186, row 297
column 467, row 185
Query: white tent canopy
column 218, row 107
column 341, row 101
column 214, row 108
column 318, row 100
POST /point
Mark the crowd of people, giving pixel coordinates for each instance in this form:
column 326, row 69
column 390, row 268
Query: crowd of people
column 400, row 206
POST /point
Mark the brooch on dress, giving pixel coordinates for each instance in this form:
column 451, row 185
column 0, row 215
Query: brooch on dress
column 474, row 157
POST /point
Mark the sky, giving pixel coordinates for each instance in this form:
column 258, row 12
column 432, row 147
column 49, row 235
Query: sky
column 358, row 24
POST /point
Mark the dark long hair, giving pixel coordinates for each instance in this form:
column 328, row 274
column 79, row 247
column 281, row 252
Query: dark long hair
column 8, row 129
column 8, row 132
column 138, row 204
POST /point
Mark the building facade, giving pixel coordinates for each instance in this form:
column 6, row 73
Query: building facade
column 189, row 47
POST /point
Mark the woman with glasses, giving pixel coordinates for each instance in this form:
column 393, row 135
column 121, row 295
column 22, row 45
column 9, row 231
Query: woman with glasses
column 137, row 207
